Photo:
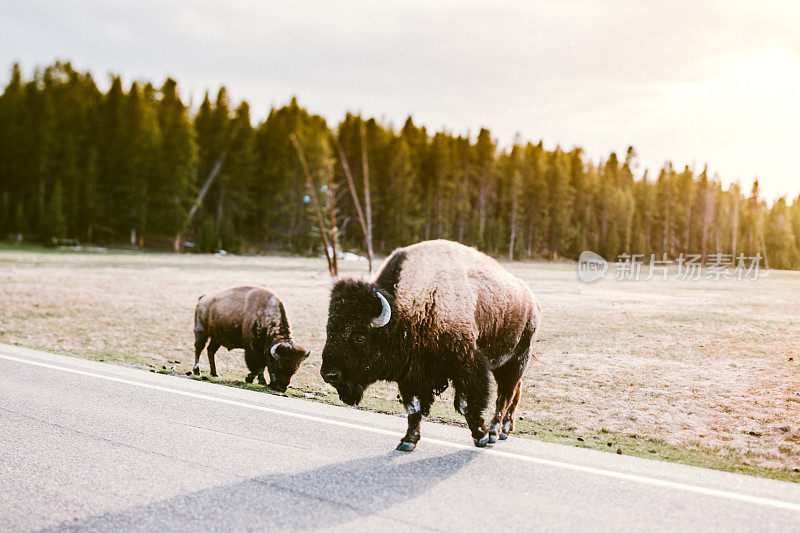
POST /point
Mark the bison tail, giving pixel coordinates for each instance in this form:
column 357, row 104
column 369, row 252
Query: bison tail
column 532, row 331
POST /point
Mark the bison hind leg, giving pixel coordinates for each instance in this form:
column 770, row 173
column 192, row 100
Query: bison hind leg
column 509, row 379
column 200, row 339
column 472, row 397
column 508, row 420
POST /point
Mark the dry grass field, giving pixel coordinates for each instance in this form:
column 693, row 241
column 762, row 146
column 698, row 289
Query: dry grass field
column 705, row 372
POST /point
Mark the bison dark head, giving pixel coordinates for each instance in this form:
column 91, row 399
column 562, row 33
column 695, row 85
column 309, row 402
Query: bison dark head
column 357, row 320
column 283, row 360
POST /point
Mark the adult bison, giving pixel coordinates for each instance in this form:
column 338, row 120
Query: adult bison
column 254, row 319
column 437, row 313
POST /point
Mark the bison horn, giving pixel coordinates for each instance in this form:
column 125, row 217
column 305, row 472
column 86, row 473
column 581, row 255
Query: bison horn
column 272, row 350
column 386, row 312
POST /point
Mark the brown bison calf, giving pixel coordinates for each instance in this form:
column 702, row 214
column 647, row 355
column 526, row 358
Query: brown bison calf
column 254, row 319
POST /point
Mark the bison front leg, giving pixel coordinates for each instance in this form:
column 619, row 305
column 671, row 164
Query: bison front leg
column 253, row 375
column 255, row 364
column 212, row 351
column 411, row 438
column 417, row 404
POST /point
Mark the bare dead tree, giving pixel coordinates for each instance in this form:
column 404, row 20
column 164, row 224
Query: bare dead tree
column 367, row 195
column 212, row 175
column 312, row 192
column 709, row 205
column 763, row 245
column 334, row 231
column 735, row 223
column 354, row 193
column 514, row 216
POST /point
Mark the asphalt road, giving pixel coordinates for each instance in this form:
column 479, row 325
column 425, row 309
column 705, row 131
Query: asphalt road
column 93, row 446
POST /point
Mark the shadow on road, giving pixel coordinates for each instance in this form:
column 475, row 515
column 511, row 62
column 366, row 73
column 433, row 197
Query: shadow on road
column 324, row 497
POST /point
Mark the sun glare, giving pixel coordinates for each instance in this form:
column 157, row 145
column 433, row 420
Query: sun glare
column 752, row 107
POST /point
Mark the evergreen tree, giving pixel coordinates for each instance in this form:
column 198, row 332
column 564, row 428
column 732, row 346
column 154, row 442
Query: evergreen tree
column 779, row 237
column 285, row 221
column 127, row 165
column 484, row 161
column 55, row 225
column 795, row 214
column 535, row 207
column 13, row 152
column 560, row 201
column 173, row 187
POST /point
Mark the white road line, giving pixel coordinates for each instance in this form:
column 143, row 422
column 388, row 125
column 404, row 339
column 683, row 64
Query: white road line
column 558, row 464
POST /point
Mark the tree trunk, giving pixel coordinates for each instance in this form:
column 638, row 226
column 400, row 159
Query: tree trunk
column 529, row 241
column 356, row 202
column 482, row 199
column 334, row 228
column 367, row 194
column 704, row 241
column 512, row 238
column 312, row 191
column 735, row 223
column 687, row 239
column 461, row 212
column 513, row 222
column 220, row 205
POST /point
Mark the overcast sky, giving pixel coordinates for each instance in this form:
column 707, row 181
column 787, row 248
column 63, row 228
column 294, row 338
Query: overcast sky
column 693, row 82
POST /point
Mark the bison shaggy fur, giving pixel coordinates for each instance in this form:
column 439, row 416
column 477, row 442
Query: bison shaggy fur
column 438, row 313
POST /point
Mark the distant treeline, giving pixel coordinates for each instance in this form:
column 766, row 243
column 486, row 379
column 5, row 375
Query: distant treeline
column 125, row 166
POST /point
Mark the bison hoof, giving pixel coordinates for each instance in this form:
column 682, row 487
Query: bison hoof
column 494, row 429
column 482, row 442
column 214, row 375
column 196, row 371
column 503, row 436
column 249, row 379
column 406, row 446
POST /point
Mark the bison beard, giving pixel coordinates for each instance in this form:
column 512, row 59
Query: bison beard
column 419, row 354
